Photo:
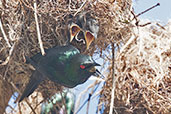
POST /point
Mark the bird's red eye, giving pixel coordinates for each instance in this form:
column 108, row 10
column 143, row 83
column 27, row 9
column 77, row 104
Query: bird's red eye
column 82, row 66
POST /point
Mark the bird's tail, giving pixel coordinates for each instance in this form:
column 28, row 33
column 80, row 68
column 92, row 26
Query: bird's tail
column 34, row 81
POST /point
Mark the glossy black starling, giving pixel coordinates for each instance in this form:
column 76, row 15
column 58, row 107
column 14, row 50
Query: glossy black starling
column 61, row 64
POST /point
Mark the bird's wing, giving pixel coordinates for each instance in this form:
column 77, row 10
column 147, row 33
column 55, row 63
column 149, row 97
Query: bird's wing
column 53, row 64
column 58, row 54
column 34, row 81
column 55, row 61
column 57, row 50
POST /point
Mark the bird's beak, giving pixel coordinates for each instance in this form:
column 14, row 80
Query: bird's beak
column 74, row 29
column 98, row 73
column 96, row 64
column 93, row 69
column 89, row 38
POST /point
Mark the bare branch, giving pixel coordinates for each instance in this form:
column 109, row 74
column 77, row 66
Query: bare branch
column 5, row 36
column 113, row 80
column 38, row 30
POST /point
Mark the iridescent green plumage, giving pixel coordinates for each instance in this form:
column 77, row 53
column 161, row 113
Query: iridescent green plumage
column 61, row 65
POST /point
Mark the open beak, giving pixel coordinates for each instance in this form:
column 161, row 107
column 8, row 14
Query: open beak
column 89, row 39
column 93, row 69
column 98, row 73
column 74, row 29
column 96, row 64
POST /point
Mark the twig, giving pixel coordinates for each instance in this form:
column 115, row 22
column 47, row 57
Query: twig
column 39, row 103
column 90, row 95
column 160, row 26
column 10, row 53
column 13, row 85
column 137, row 21
column 135, row 16
column 30, row 106
column 69, row 5
column 38, row 30
column 77, row 104
column 5, row 36
column 19, row 108
column 113, row 80
column 88, row 99
column 126, row 45
column 26, row 3
column 12, row 109
column 158, row 4
column 81, row 7
column 88, row 104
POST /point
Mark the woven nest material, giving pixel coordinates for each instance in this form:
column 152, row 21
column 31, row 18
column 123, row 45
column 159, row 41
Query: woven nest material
column 142, row 67
column 142, row 74
column 19, row 24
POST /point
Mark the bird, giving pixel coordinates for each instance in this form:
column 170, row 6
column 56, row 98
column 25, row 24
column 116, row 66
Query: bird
column 82, row 30
column 64, row 65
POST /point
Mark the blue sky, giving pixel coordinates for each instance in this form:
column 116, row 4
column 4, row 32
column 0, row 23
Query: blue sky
column 161, row 13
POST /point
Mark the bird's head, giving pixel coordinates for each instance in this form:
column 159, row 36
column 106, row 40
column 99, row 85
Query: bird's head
column 83, row 28
column 81, row 68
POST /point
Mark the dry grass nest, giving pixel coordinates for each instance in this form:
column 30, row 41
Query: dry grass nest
column 142, row 73
column 142, row 66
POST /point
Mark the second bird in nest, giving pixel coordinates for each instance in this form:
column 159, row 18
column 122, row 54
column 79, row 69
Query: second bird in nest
column 82, row 31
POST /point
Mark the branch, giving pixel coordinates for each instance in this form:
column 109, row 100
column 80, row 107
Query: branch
column 9, row 56
column 113, row 80
column 5, row 36
column 38, row 30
